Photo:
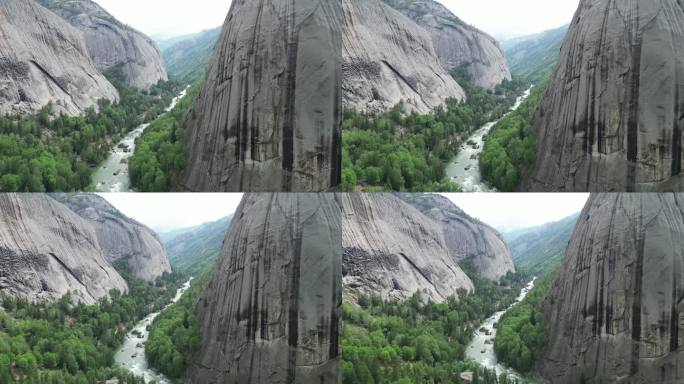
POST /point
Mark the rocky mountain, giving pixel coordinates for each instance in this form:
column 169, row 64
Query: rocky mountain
column 187, row 60
column 615, row 308
column 46, row 250
column 466, row 237
column 267, row 117
column 112, row 43
column 612, row 116
column 193, row 250
column 534, row 57
column 387, row 58
column 540, row 248
column 120, row 237
column 43, row 59
column 391, row 249
column 271, row 311
column 456, row 43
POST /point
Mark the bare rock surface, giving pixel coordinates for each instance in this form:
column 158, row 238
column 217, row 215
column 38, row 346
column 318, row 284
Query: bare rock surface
column 43, row 59
column 387, row 58
column 46, row 250
column 393, row 250
column 458, row 44
column 466, row 237
column 121, row 237
column 112, row 43
column 612, row 116
column 267, row 117
column 616, row 307
column 271, row 311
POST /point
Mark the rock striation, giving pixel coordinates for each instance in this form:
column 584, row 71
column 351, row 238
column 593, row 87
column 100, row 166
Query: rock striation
column 612, row 116
column 387, row 58
column 46, row 250
column 393, row 250
column 112, row 43
column 120, row 237
column 271, row 311
column 616, row 307
column 45, row 60
column 466, row 237
column 268, row 115
column 458, row 44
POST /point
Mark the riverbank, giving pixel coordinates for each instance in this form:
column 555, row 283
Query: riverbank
column 113, row 175
column 481, row 347
column 464, row 169
column 131, row 355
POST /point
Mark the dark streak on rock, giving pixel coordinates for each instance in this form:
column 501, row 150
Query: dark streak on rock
column 293, row 311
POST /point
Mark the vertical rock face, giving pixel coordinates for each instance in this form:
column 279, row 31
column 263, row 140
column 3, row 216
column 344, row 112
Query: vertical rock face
column 387, row 58
column 393, row 250
column 267, row 118
column 111, row 43
column 271, row 311
column 613, row 114
column 457, row 43
column 44, row 59
column 121, row 237
column 466, row 238
column 47, row 250
column 616, row 308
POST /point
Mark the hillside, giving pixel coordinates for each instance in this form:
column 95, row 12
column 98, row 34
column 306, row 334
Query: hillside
column 187, row 60
column 196, row 249
column 532, row 58
column 538, row 249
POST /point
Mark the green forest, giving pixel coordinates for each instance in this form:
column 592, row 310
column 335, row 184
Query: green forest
column 401, row 151
column 417, row 342
column 522, row 331
column 160, row 155
column 44, row 153
column 510, row 148
column 64, row 342
column 175, row 333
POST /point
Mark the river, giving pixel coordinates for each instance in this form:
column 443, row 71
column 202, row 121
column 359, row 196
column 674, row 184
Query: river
column 112, row 175
column 131, row 355
column 464, row 169
column 481, row 348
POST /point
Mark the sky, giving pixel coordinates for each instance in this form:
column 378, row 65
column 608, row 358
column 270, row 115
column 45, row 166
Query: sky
column 168, row 18
column 501, row 18
column 508, row 18
column 166, row 211
column 509, row 211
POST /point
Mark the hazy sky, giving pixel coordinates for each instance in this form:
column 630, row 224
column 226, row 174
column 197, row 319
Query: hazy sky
column 507, row 211
column 502, row 18
column 166, row 211
column 168, row 17
column 510, row 18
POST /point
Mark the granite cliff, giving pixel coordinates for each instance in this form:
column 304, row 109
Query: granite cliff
column 112, row 43
column 45, row 60
column 391, row 249
column 267, row 117
column 616, row 307
column 466, row 238
column 456, row 43
column 271, row 311
column 612, row 116
column 387, row 58
column 46, row 250
column 120, row 237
